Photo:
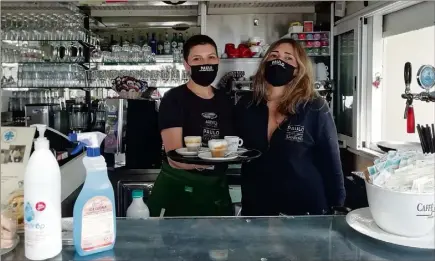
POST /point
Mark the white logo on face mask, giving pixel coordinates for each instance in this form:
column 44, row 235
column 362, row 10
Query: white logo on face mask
column 278, row 62
column 206, row 69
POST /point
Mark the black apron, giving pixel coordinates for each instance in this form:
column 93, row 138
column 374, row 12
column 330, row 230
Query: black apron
column 184, row 193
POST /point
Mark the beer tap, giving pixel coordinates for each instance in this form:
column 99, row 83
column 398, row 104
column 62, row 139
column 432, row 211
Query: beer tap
column 409, row 109
column 425, row 79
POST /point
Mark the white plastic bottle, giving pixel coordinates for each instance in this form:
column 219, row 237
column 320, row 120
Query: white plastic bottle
column 42, row 202
column 138, row 209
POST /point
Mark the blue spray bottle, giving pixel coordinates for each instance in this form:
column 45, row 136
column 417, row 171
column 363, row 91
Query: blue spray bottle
column 94, row 225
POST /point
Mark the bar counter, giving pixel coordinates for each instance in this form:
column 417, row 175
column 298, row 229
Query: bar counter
column 239, row 239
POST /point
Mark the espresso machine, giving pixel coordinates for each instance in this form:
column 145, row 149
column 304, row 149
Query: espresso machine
column 41, row 113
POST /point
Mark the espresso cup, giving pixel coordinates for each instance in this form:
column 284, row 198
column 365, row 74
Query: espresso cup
column 218, row 148
column 233, row 142
column 193, row 143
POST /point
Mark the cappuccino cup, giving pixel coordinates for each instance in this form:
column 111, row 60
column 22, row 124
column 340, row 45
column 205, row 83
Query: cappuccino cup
column 234, row 143
column 218, row 148
column 193, row 143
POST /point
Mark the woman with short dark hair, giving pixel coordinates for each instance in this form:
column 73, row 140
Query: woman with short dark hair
column 193, row 109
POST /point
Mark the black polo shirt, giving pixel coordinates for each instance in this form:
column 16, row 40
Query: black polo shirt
column 300, row 170
column 208, row 118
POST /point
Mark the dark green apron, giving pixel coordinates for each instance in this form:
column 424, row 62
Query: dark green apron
column 183, row 193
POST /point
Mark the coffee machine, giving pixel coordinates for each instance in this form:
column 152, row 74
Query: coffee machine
column 41, row 113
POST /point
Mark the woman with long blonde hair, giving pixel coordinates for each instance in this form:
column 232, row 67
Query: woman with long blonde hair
column 299, row 171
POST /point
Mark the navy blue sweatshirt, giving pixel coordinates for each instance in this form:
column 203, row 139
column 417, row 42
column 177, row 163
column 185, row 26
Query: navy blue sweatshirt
column 300, row 170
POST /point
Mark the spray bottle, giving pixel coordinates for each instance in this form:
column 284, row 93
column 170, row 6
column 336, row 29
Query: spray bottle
column 42, row 202
column 94, row 218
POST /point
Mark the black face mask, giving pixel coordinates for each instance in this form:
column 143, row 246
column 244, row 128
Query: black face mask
column 204, row 74
column 278, row 73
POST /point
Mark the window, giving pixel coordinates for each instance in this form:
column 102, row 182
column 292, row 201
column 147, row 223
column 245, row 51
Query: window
column 396, row 33
column 347, row 38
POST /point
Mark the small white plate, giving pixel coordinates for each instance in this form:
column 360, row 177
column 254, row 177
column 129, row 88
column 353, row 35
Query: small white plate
column 362, row 221
column 207, row 156
column 185, row 152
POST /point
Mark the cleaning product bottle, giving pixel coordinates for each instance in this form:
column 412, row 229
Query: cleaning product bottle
column 42, row 202
column 94, row 218
column 137, row 208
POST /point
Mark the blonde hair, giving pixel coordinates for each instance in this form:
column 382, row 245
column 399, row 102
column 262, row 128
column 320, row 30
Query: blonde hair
column 299, row 90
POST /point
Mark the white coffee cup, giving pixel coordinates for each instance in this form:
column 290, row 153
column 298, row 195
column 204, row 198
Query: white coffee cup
column 193, row 143
column 234, row 143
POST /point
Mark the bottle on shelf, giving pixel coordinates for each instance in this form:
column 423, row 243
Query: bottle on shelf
column 180, row 42
column 112, row 40
column 138, row 209
column 160, row 45
column 147, row 39
column 167, row 44
column 174, row 42
column 153, row 43
column 186, row 35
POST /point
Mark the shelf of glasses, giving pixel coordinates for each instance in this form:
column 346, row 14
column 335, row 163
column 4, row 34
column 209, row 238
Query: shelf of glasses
column 16, row 88
column 156, row 87
column 15, row 64
column 133, row 63
column 31, row 43
column 39, row 6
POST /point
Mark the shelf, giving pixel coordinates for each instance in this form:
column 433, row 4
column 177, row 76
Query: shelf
column 14, row 64
column 305, row 40
column 18, row 43
column 132, row 63
column 156, row 87
column 318, row 32
column 252, row 59
column 9, row 88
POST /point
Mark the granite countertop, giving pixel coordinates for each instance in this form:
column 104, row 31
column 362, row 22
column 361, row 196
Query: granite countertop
column 239, row 239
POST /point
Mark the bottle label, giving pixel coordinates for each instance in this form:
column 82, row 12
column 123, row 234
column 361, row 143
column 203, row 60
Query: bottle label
column 167, row 48
column 97, row 224
column 40, row 223
column 174, row 44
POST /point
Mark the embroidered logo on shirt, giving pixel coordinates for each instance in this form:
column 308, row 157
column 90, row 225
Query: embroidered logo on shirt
column 295, row 133
column 209, row 115
column 211, row 123
column 210, row 128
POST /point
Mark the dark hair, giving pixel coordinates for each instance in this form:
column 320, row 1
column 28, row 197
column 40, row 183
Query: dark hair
column 195, row 40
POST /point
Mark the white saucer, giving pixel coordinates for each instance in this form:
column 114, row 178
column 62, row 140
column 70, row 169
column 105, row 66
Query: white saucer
column 207, row 156
column 185, row 152
column 361, row 220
